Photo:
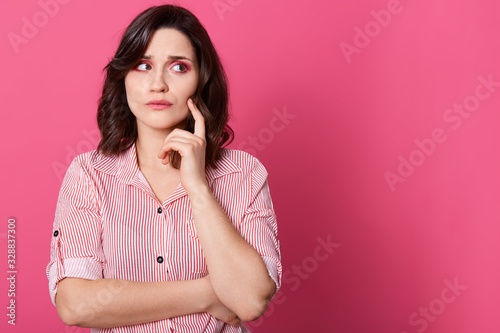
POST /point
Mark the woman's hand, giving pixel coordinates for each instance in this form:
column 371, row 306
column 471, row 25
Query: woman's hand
column 219, row 310
column 191, row 147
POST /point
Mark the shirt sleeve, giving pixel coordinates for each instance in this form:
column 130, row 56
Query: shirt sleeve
column 76, row 249
column 259, row 226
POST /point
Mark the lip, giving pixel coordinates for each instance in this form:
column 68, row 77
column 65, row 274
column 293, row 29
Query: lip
column 159, row 104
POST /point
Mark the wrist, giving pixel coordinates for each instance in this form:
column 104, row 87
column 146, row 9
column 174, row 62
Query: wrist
column 197, row 186
column 199, row 196
column 207, row 294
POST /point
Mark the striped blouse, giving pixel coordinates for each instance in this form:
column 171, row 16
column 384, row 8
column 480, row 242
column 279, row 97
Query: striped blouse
column 109, row 224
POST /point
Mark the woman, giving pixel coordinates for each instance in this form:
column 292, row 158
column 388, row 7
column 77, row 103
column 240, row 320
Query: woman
column 161, row 229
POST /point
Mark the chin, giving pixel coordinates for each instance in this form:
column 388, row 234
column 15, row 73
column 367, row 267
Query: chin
column 169, row 125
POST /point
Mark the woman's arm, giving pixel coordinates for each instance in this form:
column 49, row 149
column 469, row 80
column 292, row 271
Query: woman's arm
column 238, row 274
column 114, row 302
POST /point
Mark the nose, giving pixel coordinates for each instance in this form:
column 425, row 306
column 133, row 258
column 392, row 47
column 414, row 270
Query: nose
column 157, row 82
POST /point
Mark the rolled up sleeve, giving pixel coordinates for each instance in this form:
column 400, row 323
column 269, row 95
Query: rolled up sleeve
column 259, row 226
column 76, row 248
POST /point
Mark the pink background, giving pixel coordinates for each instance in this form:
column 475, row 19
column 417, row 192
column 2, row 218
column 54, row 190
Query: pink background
column 350, row 160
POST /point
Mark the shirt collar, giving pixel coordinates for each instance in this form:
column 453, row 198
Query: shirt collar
column 124, row 167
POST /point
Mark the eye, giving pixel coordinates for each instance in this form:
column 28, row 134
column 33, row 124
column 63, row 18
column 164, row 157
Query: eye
column 180, row 68
column 143, row 66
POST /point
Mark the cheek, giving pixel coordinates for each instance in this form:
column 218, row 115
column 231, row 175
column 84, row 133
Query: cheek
column 192, row 90
column 190, row 87
column 131, row 96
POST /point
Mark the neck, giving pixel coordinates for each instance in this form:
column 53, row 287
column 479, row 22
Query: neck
column 148, row 145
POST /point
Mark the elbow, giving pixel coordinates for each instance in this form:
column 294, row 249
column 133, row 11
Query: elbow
column 75, row 315
column 70, row 308
column 254, row 311
column 257, row 306
column 68, row 318
column 66, row 313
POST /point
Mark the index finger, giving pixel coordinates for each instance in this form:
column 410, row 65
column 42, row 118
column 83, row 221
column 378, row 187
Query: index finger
column 199, row 120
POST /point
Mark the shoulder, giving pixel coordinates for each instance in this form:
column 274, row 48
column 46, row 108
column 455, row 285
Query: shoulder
column 88, row 158
column 238, row 161
column 94, row 160
column 88, row 164
column 240, row 171
column 245, row 161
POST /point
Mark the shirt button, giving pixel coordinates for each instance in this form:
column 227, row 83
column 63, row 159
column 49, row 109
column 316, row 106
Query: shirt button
column 159, row 210
column 56, row 233
column 159, row 259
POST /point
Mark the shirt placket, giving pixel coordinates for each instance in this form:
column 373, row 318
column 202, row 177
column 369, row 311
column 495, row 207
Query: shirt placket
column 160, row 230
column 161, row 243
column 174, row 209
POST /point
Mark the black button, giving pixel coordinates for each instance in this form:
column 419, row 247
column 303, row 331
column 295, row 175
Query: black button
column 56, row 233
column 159, row 210
column 159, row 259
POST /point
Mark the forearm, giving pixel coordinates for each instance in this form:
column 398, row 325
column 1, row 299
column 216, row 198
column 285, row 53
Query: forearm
column 238, row 274
column 113, row 302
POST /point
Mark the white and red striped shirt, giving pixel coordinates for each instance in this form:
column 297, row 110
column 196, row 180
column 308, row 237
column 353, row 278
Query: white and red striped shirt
column 109, row 224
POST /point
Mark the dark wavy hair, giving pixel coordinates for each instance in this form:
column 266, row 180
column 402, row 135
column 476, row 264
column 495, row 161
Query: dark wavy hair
column 116, row 121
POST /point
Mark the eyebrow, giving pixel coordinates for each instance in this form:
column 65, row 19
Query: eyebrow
column 170, row 57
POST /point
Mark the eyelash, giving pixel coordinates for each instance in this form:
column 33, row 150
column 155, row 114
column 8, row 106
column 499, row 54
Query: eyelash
column 177, row 64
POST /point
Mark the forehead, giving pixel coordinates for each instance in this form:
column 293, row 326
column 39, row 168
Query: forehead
column 168, row 41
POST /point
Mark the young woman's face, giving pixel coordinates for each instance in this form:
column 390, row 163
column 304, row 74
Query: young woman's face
column 167, row 73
